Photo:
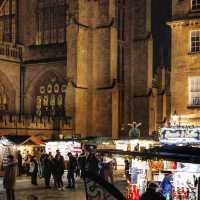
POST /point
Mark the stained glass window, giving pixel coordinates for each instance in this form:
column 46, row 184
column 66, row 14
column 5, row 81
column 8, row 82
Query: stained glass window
column 3, row 99
column 50, row 99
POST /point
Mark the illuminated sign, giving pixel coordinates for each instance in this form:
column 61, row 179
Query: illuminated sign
column 180, row 135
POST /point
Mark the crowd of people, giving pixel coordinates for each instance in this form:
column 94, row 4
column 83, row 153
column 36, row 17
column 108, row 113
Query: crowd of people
column 47, row 166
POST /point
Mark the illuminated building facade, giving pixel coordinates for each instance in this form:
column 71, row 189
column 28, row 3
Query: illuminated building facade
column 82, row 67
column 185, row 70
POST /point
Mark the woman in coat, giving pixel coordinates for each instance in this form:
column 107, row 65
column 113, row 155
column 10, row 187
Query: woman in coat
column 33, row 170
column 10, row 178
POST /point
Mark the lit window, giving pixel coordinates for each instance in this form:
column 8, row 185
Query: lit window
column 195, row 4
column 195, row 41
column 194, row 91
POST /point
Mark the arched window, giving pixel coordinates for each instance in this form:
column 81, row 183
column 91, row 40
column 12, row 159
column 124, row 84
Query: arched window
column 50, row 98
column 3, row 99
column 8, row 21
column 50, row 22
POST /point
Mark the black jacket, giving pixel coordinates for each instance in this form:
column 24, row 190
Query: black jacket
column 152, row 195
column 59, row 167
column 72, row 164
column 48, row 167
column 82, row 161
column 92, row 164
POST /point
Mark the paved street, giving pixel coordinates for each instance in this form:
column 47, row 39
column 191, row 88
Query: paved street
column 24, row 190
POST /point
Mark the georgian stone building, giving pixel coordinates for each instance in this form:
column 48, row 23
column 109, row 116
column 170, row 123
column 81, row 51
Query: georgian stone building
column 82, row 67
column 185, row 74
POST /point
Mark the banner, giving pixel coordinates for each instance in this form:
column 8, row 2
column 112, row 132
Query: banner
column 97, row 188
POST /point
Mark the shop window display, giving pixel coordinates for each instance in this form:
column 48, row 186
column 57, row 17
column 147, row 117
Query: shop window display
column 181, row 177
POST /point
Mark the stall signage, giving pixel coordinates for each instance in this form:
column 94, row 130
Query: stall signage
column 180, row 135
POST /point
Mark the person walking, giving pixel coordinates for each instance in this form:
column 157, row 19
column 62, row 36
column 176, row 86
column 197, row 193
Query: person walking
column 92, row 163
column 33, row 170
column 9, row 179
column 71, row 167
column 151, row 193
column 27, row 164
column 107, row 170
column 19, row 160
column 81, row 162
column 77, row 172
column 48, row 167
column 59, row 171
column 166, row 186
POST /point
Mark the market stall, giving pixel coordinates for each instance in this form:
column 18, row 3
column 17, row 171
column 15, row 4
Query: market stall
column 27, row 145
column 180, row 135
column 64, row 146
column 6, row 148
column 181, row 163
column 135, row 145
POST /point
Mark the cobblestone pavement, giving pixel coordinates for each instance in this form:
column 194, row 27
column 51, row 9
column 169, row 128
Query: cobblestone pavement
column 25, row 191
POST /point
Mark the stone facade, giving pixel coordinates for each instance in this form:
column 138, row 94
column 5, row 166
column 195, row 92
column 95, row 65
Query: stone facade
column 114, row 68
column 185, row 69
column 102, row 51
column 33, row 53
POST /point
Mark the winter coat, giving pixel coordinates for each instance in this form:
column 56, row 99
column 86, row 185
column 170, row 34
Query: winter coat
column 92, row 164
column 72, row 164
column 19, row 158
column 48, row 167
column 82, row 161
column 59, row 167
column 152, row 195
column 166, row 184
column 33, row 167
column 10, row 175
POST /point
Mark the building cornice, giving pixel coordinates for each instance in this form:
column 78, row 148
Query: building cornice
column 182, row 22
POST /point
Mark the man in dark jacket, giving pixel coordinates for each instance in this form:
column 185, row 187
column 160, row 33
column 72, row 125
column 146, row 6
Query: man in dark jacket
column 81, row 162
column 59, row 167
column 48, row 167
column 92, row 163
column 151, row 193
column 10, row 178
column 71, row 167
column 19, row 159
